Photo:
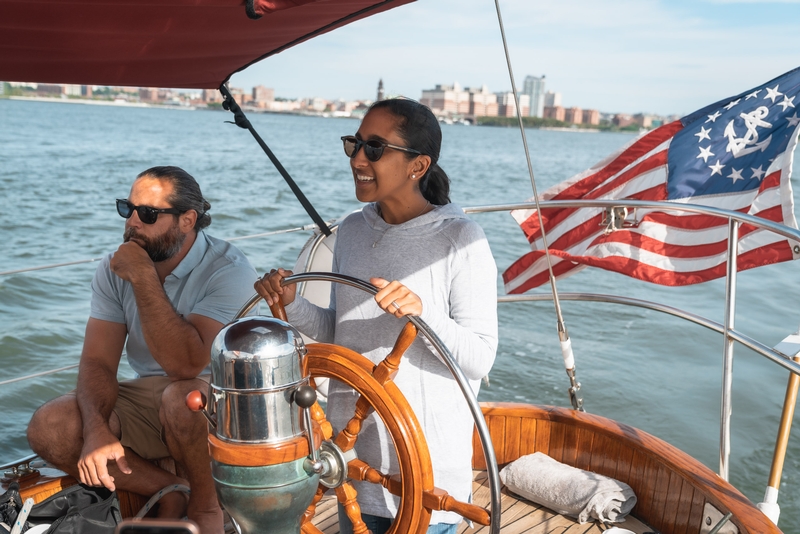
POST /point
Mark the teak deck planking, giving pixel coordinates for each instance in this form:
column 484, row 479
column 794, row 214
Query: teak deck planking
column 518, row 516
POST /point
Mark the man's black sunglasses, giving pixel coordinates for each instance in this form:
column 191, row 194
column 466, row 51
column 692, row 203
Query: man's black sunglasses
column 373, row 148
column 147, row 214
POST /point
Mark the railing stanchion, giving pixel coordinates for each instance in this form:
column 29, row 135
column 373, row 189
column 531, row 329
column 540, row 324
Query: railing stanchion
column 727, row 356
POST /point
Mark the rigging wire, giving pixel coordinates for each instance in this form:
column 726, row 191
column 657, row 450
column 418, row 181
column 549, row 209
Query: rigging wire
column 229, row 239
column 563, row 334
column 34, row 375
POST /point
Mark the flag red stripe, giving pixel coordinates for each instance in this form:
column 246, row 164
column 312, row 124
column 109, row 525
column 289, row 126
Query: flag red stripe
column 773, row 253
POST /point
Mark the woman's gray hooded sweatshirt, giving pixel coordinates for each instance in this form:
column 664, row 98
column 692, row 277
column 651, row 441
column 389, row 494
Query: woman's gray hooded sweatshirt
column 444, row 258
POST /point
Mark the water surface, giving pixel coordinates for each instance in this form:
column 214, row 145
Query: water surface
column 62, row 166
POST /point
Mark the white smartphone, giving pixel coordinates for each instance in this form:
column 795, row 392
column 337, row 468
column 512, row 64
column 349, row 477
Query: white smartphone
column 156, row 526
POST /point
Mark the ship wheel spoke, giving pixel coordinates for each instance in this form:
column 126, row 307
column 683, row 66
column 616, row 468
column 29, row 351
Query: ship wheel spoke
column 312, row 508
column 346, row 494
column 433, row 499
column 318, row 415
column 383, row 373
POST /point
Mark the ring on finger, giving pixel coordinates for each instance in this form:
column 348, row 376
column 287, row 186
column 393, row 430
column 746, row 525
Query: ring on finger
column 396, row 305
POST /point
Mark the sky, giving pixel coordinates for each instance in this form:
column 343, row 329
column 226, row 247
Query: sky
column 618, row 56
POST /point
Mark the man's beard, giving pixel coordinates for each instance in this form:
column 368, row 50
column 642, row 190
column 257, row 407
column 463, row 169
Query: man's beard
column 160, row 248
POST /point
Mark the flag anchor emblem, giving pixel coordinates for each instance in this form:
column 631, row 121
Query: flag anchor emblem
column 741, row 146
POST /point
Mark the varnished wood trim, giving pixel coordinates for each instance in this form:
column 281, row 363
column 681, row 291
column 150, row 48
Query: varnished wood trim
column 614, row 444
column 49, row 482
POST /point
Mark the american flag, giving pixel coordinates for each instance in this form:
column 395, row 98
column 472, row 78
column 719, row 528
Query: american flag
column 735, row 154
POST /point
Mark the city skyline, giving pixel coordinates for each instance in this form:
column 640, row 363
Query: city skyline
column 618, row 56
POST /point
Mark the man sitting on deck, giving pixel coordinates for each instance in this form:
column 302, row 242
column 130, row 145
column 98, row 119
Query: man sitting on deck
column 169, row 289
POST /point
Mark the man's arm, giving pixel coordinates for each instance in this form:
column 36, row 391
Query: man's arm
column 97, row 394
column 181, row 346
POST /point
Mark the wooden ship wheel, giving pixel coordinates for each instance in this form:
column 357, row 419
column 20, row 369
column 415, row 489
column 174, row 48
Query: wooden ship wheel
column 414, row 483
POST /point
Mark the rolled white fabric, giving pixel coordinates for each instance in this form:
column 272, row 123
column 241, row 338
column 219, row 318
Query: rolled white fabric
column 568, row 490
column 566, row 353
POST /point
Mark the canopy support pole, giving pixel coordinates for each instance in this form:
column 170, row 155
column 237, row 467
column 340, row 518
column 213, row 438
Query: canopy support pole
column 242, row 122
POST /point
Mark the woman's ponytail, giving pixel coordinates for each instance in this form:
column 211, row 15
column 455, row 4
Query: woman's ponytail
column 435, row 186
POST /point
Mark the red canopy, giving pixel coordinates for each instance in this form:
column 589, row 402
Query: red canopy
column 159, row 43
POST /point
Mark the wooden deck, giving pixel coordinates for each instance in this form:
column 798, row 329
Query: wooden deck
column 518, row 516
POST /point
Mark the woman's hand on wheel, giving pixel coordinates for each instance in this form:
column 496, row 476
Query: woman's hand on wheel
column 269, row 286
column 396, row 299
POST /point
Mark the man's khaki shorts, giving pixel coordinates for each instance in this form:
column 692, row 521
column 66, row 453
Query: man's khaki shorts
column 138, row 404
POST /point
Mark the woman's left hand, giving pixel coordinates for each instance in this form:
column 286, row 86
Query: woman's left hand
column 396, row 299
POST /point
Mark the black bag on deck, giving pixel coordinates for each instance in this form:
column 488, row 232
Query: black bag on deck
column 10, row 505
column 78, row 509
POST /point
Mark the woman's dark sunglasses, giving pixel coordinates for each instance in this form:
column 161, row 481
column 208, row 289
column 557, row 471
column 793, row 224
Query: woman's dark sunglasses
column 147, row 214
column 373, row 148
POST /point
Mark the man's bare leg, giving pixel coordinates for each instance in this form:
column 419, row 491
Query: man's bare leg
column 56, row 434
column 187, row 440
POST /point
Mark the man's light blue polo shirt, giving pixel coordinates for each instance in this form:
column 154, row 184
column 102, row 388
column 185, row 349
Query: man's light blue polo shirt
column 214, row 280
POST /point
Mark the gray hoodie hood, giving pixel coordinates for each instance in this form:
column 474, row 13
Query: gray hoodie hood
column 418, row 226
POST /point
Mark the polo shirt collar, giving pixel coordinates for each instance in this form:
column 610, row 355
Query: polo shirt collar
column 193, row 257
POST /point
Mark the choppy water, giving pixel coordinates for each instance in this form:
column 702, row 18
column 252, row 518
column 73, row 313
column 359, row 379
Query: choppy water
column 62, row 166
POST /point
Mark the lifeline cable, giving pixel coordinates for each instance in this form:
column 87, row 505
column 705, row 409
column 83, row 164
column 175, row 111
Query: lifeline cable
column 563, row 335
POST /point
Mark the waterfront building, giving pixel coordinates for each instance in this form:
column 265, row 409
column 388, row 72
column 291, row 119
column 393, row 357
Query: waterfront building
column 71, row 90
column 285, row 105
column 534, row 88
column 239, row 94
column 621, row 120
column 506, row 107
column 25, row 85
column 645, row 121
column 380, row 90
column 555, row 112
column 316, row 104
column 124, row 89
column 482, row 103
column 262, row 96
column 211, row 96
column 446, row 99
column 591, row 116
column 48, row 89
column 148, row 94
column 552, row 100
column 573, row 115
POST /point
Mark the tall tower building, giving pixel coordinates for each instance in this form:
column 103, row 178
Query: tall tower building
column 380, row 89
column 534, row 88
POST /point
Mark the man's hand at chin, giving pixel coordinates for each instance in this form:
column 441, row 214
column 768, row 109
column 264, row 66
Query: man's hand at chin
column 129, row 260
